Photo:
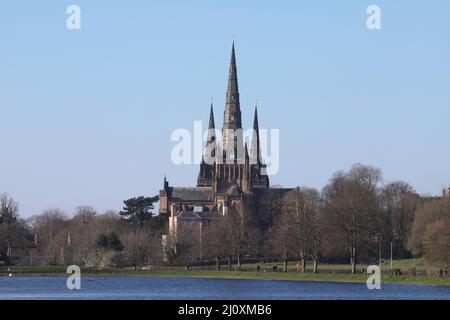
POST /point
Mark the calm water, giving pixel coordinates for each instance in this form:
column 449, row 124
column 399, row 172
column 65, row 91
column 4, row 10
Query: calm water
column 49, row 288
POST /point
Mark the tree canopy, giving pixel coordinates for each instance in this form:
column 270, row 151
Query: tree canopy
column 139, row 210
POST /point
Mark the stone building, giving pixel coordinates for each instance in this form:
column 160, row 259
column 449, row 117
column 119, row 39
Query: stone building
column 229, row 172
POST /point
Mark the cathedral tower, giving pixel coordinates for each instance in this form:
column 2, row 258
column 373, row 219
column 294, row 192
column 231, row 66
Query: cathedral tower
column 231, row 168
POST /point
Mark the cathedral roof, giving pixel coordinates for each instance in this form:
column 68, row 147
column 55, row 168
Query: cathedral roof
column 188, row 215
column 273, row 193
column 233, row 190
column 191, row 215
column 191, row 194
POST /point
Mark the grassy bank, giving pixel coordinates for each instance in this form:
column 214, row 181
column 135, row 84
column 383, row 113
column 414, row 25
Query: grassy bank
column 328, row 274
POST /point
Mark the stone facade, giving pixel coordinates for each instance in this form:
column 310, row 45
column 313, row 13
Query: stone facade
column 230, row 176
column 228, row 171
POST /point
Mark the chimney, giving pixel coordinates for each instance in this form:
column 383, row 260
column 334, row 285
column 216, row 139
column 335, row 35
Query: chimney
column 173, row 210
column 173, row 220
column 166, row 184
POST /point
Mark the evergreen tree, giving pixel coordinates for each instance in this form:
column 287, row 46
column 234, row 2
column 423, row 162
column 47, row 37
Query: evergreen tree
column 138, row 210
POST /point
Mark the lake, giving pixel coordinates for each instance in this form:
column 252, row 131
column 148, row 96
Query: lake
column 153, row 288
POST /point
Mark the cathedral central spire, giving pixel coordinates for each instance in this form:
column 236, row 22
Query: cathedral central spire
column 232, row 114
column 232, row 107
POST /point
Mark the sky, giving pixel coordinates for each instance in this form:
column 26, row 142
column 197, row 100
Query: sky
column 86, row 115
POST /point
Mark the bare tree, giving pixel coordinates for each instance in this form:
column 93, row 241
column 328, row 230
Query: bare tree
column 436, row 242
column 281, row 238
column 231, row 237
column 51, row 227
column 142, row 248
column 214, row 245
column 316, row 229
column 8, row 208
column 81, row 234
column 13, row 231
column 352, row 208
column 297, row 230
column 242, row 237
column 184, row 247
column 435, row 212
column 400, row 203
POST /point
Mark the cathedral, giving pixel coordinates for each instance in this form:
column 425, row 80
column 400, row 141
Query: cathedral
column 229, row 172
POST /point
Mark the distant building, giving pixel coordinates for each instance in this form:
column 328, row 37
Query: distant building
column 446, row 192
column 21, row 254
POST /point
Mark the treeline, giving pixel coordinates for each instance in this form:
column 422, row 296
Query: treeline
column 131, row 237
column 356, row 218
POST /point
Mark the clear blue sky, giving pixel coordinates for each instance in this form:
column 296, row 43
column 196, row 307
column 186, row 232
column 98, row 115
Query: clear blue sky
column 86, row 116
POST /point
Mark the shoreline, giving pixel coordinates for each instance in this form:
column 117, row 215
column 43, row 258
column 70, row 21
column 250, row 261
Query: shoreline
column 244, row 275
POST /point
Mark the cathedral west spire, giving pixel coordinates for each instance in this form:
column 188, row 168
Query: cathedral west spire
column 207, row 168
column 211, row 138
column 211, row 124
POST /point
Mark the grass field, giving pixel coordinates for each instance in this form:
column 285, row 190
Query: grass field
column 404, row 265
column 327, row 273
